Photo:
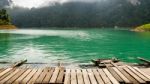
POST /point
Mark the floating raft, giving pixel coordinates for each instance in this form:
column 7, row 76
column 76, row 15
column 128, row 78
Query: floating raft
column 60, row 75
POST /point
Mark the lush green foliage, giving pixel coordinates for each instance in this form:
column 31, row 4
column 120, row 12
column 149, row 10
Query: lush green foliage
column 107, row 13
column 4, row 17
column 145, row 27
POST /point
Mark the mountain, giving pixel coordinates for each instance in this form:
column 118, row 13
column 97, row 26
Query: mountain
column 104, row 13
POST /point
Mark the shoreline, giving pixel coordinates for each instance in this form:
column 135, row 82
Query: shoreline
column 68, row 65
column 7, row 27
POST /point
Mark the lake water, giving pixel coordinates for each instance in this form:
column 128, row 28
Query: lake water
column 73, row 46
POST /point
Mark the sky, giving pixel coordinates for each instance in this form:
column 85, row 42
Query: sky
column 38, row 3
column 31, row 3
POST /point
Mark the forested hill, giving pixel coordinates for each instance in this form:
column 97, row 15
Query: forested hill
column 103, row 13
column 4, row 17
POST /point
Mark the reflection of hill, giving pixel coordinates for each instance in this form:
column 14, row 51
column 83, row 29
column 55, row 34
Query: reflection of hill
column 4, row 42
column 4, row 36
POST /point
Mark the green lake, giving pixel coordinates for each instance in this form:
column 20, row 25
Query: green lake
column 73, row 46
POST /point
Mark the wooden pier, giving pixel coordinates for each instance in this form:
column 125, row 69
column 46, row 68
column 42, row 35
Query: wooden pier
column 60, row 75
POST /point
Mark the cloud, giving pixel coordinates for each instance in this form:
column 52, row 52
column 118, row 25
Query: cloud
column 4, row 3
column 38, row 3
column 134, row 2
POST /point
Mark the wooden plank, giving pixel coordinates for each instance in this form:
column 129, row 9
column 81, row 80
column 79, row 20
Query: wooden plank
column 35, row 76
column 137, row 73
column 98, row 77
column 91, row 76
column 54, row 76
column 113, row 80
column 48, row 75
column 115, row 75
column 2, row 69
column 73, row 76
column 144, row 74
column 132, row 80
column 134, row 75
column 6, row 74
column 79, row 77
column 22, row 76
column 5, row 71
column 60, row 76
column 121, row 75
column 144, row 60
column 104, row 77
column 85, row 76
column 129, row 77
column 29, row 76
column 42, row 76
column 8, row 77
column 19, row 63
column 67, row 76
column 16, row 76
column 145, row 70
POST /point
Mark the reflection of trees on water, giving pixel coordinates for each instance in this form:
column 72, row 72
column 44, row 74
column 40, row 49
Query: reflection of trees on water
column 4, row 43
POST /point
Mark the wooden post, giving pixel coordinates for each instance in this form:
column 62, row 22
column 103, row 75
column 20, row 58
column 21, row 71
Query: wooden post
column 19, row 63
column 144, row 60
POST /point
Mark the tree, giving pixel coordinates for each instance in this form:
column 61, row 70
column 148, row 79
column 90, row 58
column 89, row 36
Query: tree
column 4, row 17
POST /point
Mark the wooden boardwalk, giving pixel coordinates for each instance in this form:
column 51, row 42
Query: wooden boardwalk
column 60, row 75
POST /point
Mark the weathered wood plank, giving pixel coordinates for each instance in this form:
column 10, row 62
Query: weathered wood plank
column 8, row 77
column 35, row 76
column 115, row 75
column 16, row 76
column 19, row 63
column 79, row 77
column 42, row 76
column 54, row 76
column 29, row 76
column 91, row 76
column 2, row 69
column 137, row 73
column 132, row 80
column 73, row 76
column 134, row 75
column 85, row 76
column 7, row 74
column 5, row 71
column 144, row 60
column 148, row 76
column 122, row 76
column 98, row 77
column 113, row 80
column 48, row 75
column 61, row 75
column 19, row 80
column 67, row 76
column 104, row 77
